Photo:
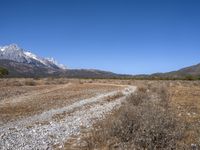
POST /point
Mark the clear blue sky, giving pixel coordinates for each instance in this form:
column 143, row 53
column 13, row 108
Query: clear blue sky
column 123, row 36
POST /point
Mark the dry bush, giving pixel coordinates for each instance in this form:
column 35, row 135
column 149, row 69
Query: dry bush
column 141, row 123
column 30, row 82
column 61, row 81
column 148, row 126
column 81, row 81
column 15, row 83
column 10, row 82
column 90, row 80
column 138, row 97
column 51, row 80
column 114, row 97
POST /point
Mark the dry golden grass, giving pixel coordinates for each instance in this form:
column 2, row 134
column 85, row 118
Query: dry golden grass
column 185, row 99
column 160, row 115
column 29, row 100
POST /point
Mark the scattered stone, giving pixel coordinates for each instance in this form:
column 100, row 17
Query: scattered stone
column 45, row 136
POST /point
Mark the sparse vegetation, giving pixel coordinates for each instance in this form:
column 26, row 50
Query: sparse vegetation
column 3, row 71
column 146, row 121
column 30, row 82
column 114, row 97
column 160, row 115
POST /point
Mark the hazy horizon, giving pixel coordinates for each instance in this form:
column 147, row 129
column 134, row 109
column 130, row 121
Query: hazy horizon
column 127, row 37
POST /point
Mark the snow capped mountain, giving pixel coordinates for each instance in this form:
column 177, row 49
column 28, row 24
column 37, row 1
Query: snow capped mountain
column 23, row 63
column 52, row 60
column 15, row 53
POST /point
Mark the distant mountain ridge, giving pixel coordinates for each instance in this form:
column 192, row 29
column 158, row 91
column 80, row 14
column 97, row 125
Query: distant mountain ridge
column 188, row 73
column 15, row 53
column 191, row 71
column 23, row 63
column 26, row 70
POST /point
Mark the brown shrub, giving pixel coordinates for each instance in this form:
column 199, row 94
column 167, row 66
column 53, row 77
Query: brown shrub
column 141, row 123
column 16, row 83
column 148, row 127
column 114, row 97
column 138, row 97
column 30, row 82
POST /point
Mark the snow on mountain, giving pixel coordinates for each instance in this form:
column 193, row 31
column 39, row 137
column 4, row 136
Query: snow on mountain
column 56, row 63
column 2, row 49
column 33, row 56
column 15, row 53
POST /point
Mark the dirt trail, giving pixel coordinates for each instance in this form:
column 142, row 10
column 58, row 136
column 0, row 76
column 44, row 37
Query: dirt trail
column 55, row 126
column 39, row 99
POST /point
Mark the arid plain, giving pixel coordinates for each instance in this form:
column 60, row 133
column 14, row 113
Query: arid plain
column 61, row 113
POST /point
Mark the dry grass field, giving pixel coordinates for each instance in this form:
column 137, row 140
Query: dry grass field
column 159, row 115
column 185, row 100
column 99, row 114
column 19, row 99
column 44, row 113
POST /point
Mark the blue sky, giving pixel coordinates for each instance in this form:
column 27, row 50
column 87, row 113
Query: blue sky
column 123, row 36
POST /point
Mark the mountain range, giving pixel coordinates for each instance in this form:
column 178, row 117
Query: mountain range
column 188, row 72
column 23, row 63
column 15, row 53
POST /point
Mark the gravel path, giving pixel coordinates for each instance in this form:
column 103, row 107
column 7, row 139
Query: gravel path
column 55, row 126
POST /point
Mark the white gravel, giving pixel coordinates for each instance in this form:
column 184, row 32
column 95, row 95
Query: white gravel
column 31, row 133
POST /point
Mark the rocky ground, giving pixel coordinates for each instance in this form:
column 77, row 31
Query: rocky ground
column 46, row 116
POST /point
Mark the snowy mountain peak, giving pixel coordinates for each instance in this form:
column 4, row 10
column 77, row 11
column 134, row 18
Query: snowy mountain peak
column 14, row 46
column 10, row 47
column 15, row 53
column 29, row 54
column 55, row 62
column 2, row 49
column 51, row 59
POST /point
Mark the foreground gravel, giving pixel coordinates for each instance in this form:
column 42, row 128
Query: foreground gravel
column 55, row 126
